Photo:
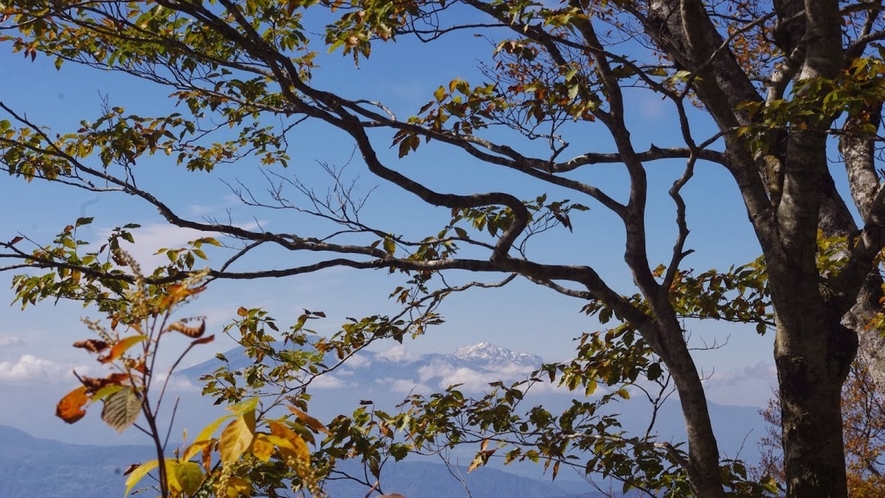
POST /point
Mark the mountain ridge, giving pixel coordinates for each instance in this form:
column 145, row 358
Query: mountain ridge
column 31, row 467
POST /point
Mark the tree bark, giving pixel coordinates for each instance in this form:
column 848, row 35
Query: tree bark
column 703, row 451
column 813, row 352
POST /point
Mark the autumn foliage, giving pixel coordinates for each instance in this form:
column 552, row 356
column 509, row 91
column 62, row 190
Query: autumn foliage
column 132, row 393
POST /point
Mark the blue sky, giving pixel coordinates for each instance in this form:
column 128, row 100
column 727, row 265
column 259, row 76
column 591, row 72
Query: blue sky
column 35, row 353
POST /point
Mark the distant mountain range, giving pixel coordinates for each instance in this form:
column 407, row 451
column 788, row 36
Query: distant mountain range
column 387, row 377
column 38, row 468
column 403, row 372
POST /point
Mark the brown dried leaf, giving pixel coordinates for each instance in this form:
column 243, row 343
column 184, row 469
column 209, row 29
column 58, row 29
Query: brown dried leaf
column 92, row 345
column 193, row 332
column 70, row 408
column 309, row 421
column 203, row 340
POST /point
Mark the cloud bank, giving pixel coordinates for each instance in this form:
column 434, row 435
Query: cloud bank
column 10, row 341
column 29, row 369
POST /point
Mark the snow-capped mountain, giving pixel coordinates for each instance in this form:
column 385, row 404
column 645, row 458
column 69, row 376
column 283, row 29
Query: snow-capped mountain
column 494, row 355
column 400, row 371
column 387, row 377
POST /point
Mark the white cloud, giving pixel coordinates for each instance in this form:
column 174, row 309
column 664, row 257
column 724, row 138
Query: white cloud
column 9, row 341
column 30, row 369
column 434, row 370
column 470, row 380
column 358, row 361
column 473, row 380
column 513, row 370
column 153, row 236
column 760, row 371
column 328, row 381
column 405, row 386
column 177, row 383
column 202, row 209
column 397, row 354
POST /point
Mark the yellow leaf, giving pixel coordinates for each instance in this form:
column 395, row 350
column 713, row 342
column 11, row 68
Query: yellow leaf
column 105, row 391
column 246, row 409
column 189, row 477
column 121, row 347
column 244, row 406
column 172, row 474
column 194, row 448
column 203, row 438
column 137, row 474
column 235, row 487
column 278, row 441
column 235, row 440
column 262, row 447
column 298, row 456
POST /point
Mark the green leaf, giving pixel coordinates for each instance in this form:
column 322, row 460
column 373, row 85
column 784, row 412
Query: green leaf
column 654, row 371
column 189, row 476
column 106, row 391
column 83, row 221
column 121, row 409
column 244, row 407
column 389, row 246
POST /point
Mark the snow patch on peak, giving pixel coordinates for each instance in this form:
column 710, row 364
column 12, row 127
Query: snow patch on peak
column 488, row 352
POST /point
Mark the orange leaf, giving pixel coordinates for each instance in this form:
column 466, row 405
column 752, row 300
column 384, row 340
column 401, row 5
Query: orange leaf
column 207, row 456
column 311, row 422
column 295, row 453
column 70, row 408
column 121, row 347
column 178, row 293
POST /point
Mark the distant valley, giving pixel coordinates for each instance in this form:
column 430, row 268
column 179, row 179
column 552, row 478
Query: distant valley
column 40, row 468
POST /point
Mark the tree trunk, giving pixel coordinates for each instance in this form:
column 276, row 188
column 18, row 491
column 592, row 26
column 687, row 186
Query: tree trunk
column 813, row 352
